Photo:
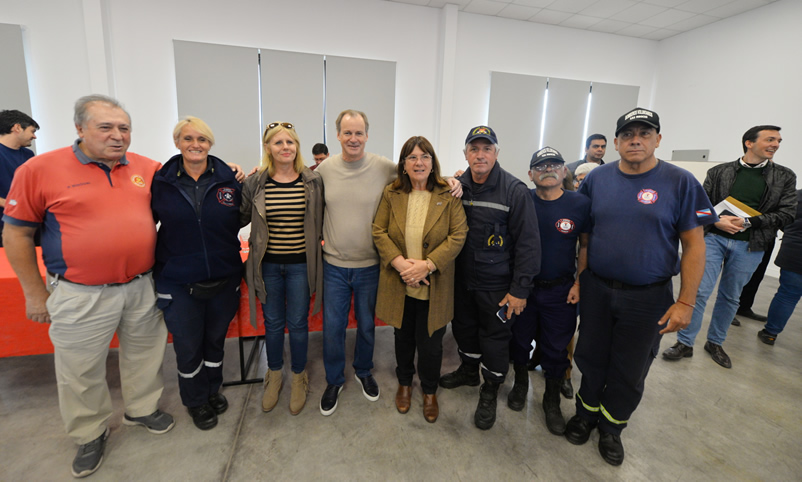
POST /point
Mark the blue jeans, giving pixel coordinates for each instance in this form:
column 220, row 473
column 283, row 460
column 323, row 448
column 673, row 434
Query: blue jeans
column 735, row 263
column 784, row 302
column 338, row 286
column 287, row 304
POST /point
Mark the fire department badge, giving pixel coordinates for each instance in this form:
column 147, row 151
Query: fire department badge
column 225, row 196
column 564, row 226
column 647, row 196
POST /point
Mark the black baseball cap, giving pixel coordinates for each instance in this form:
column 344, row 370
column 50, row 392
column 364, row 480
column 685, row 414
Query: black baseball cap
column 638, row 114
column 546, row 154
column 481, row 132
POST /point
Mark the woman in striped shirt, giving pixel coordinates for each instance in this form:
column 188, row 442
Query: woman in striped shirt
column 284, row 204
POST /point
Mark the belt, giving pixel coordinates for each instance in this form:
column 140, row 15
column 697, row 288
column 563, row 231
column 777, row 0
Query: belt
column 618, row 285
column 58, row 277
column 551, row 283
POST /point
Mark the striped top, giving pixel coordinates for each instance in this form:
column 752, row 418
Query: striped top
column 285, row 204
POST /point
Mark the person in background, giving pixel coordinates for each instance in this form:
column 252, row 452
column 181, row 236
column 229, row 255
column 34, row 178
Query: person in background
column 419, row 230
column 284, row 204
column 595, row 147
column 789, row 259
column 17, row 132
column 581, row 172
column 196, row 197
column 320, row 153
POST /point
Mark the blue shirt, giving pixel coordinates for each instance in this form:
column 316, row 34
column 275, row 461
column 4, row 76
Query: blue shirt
column 560, row 221
column 636, row 220
column 10, row 160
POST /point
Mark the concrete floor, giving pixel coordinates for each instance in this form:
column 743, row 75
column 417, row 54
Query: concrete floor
column 697, row 421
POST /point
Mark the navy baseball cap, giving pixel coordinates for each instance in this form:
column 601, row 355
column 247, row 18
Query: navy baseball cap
column 546, row 154
column 638, row 115
column 481, row 132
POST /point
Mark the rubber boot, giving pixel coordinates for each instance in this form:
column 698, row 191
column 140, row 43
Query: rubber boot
column 551, row 406
column 516, row 399
column 485, row 415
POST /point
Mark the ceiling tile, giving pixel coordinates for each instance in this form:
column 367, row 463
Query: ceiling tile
column 664, row 19
column 660, row 34
column 693, row 22
column 580, row 21
column 533, row 3
column 609, row 26
column 571, row 6
column 607, row 8
column 484, row 7
column 638, row 12
column 549, row 16
column 636, row 30
column 665, row 3
column 736, row 7
column 518, row 12
column 701, row 6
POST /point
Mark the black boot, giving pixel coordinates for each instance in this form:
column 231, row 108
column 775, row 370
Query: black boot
column 516, row 399
column 485, row 415
column 466, row 374
column 551, row 406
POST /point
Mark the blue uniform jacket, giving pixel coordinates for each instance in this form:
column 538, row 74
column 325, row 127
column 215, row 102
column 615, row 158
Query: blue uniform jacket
column 192, row 248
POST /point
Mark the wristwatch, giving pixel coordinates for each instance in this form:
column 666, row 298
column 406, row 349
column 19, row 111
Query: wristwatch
column 747, row 223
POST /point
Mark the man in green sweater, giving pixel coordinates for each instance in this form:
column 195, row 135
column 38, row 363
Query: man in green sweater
column 735, row 245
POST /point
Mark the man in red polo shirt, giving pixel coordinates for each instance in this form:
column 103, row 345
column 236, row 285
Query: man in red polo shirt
column 92, row 202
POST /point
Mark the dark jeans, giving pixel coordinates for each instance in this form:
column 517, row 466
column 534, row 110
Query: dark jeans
column 618, row 340
column 480, row 335
column 414, row 335
column 286, row 304
column 550, row 321
column 199, row 330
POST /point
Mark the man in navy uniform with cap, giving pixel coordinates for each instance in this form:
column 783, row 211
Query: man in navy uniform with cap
column 641, row 210
column 495, row 269
column 550, row 316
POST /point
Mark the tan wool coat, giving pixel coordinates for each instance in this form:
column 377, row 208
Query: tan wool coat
column 443, row 236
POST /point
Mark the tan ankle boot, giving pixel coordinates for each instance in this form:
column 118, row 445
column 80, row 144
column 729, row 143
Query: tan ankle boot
column 273, row 381
column 300, row 387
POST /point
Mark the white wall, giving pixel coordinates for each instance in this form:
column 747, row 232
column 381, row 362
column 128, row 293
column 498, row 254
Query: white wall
column 716, row 82
column 486, row 44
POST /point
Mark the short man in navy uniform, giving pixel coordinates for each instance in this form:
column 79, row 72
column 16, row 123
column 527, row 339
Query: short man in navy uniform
column 494, row 270
column 550, row 315
column 641, row 210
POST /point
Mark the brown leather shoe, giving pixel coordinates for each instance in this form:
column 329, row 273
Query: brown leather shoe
column 403, row 398
column 430, row 408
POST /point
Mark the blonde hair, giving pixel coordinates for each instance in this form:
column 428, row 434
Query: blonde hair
column 197, row 124
column 267, row 158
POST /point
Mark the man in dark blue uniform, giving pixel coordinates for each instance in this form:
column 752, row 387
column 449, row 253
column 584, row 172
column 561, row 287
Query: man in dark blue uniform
column 17, row 132
column 641, row 209
column 550, row 315
column 495, row 270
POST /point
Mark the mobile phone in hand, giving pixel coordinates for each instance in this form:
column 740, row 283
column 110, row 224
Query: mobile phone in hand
column 502, row 313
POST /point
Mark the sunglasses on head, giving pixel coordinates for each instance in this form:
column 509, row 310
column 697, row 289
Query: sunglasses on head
column 282, row 124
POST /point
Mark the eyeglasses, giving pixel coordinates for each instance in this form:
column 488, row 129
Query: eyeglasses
column 548, row 165
column 282, row 124
column 424, row 158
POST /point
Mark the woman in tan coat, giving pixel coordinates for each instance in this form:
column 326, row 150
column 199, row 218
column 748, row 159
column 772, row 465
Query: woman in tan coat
column 419, row 229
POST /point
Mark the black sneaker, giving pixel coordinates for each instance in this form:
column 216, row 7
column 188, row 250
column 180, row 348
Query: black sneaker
column 748, row 313
column 157, row 422
column 328, row 403
column 766, row 337
column 89, row 456
column 370, row 389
